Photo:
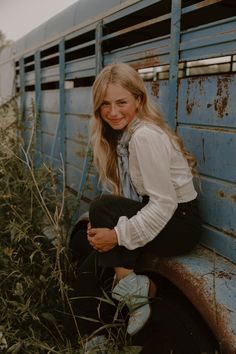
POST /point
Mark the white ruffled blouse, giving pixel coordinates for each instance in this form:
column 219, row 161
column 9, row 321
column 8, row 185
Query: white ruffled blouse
column 159, row 170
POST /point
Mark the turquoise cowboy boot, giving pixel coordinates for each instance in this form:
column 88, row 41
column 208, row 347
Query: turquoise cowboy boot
column 133, row 290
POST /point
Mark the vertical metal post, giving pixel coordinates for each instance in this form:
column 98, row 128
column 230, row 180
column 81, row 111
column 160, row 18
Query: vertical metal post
column 22, row 88
column 98, row 48
column 59, row 138
column 174, row 61
column 62, row 97
column 38, row 105
column 98, row 68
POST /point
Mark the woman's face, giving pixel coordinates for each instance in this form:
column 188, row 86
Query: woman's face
column 119, row 107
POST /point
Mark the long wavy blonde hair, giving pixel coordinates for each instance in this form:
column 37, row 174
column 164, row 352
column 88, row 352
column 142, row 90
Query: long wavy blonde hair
column 104, row 138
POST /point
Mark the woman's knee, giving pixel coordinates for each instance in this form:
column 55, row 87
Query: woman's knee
column 99, row 208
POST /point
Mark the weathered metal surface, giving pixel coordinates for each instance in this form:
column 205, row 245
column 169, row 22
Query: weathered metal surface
column 73, row 181
column 220, row 241
column 208, row 144
column 78, row 101
column 80, row 68
column 174, row 61
column 77, row 128
column 207, row 41
column 217, row 204
column 98, row 48
column 209, row 100
column 137, row 26
column 158, row 91
column 153, row 53
column 209, row 282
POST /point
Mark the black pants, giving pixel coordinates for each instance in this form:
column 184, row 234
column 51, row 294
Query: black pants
column 95, row 271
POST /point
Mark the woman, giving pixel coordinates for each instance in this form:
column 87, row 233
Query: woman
column 152, row 208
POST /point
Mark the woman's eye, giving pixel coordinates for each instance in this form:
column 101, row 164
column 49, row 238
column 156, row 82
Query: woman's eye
column 105, row 104
column 122, row 102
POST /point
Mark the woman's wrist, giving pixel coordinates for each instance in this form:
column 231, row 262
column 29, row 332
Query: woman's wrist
column 114, row 236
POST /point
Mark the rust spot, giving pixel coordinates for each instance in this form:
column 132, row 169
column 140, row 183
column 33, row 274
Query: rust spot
column 234, row 198
column 203, row 150
column 194, row 84
column 155, row 88
column 189, row 102
column 221, row 102
column 229, row 233
column 189, row 106
column 151, row 59
column 221, row 194
column 223, row 274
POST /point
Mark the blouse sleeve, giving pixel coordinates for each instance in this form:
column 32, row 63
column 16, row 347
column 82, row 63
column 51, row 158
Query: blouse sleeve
column 151, row 152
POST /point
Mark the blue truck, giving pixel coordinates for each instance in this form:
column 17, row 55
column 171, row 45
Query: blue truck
column 186, row 53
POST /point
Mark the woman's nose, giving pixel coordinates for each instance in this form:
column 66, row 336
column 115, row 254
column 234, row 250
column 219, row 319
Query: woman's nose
column 113, row 110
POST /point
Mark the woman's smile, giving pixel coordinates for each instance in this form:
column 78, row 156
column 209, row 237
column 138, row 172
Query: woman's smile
column 119, row 107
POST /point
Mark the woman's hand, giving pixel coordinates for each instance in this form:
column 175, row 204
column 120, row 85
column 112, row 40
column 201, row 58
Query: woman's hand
column 102, row 239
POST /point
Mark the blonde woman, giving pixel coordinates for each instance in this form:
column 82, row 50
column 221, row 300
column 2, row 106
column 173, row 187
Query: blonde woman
column 151, row 207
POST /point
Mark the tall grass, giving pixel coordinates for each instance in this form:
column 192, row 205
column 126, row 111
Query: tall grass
column 35, row 271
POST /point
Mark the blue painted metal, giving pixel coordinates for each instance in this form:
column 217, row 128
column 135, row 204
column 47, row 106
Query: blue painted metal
column 208, row 101
column 151, row 53
column 208, row 144
column 174, row 61
column 98, row 48
column 211, row 40
column 220, row 242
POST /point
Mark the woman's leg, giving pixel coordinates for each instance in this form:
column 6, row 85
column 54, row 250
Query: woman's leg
column 131, row 289
column 105, row 212
column 180, row 234
column 96, row 272
column 89, row 286
column 79, row 247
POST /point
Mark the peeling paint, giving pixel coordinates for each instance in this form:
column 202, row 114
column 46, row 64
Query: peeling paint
column 223, row 94
column 189, row 103
column 150, row 60
column 155, row 85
